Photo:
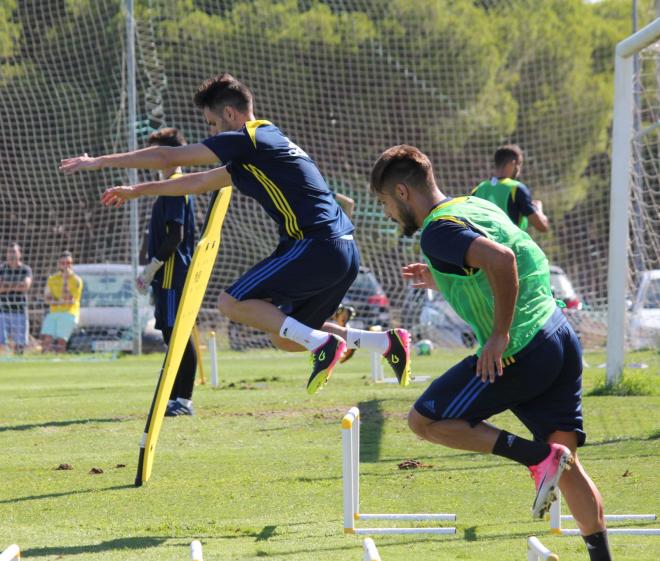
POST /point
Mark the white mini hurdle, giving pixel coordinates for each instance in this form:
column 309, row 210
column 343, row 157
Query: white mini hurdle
column 370, row 550
column 378, row 374
column 196, row 551
column 350, row 425
column 536, row 551
column 556, row 518
column 12, row 553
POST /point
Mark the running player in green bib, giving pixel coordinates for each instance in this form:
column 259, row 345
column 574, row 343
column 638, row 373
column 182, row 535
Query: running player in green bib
column 529, row 359
column 512, row 196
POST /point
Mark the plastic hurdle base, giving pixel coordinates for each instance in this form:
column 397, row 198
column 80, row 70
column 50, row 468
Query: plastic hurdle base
column 536, row 551
column 370, row 550
column 378, row 374
column 12, row 553
column 556, row 519
column 351, row 479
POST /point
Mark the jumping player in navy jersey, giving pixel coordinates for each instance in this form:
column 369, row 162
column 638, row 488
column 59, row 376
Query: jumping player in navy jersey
column 291, row 293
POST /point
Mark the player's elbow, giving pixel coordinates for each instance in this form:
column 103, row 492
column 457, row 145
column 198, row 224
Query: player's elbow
column 505, row 259
column 540, row 222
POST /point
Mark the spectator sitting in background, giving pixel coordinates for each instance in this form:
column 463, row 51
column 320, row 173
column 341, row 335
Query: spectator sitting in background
column 15, row 281
column 63, row 292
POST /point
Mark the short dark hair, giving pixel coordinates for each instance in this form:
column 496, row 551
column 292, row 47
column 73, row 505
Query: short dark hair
column 16, row 245
column 402, row 164
column 222, row 90
column 507, row 153
column 66, row 253
column 169, row 136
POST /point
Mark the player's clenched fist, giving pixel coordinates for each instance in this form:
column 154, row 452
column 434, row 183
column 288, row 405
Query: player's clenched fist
column 84, row 162
column 117, row 196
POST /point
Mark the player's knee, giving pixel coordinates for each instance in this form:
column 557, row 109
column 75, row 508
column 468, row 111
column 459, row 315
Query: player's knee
column 567, row 438
column 417, row 423
column 227, row 305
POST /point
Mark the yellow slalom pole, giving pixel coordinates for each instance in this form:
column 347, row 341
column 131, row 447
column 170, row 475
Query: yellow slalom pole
column 200, row 362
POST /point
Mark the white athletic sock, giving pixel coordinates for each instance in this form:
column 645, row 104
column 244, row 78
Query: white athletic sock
column 185, row 402
column 374, row 341
column 309, row 338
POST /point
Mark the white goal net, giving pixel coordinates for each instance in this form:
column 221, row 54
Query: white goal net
column 344, row 79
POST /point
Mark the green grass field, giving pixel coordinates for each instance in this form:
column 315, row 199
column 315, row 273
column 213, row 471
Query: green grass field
column 257, row 472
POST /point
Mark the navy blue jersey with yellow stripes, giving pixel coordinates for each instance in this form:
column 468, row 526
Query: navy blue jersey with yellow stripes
column 265, row 165
column 180, row 210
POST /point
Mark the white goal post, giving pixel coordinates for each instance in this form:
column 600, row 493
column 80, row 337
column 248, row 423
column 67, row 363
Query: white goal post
column 622, row 158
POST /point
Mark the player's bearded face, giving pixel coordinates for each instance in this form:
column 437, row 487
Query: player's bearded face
column 406, row 219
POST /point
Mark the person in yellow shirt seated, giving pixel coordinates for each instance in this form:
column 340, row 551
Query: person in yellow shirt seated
column 63, row 292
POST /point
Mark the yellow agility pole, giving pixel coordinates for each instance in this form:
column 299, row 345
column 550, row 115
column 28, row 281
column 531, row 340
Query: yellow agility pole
column 200, row 362
column 191, row 300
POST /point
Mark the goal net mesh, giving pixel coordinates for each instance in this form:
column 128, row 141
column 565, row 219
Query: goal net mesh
column 344, row 79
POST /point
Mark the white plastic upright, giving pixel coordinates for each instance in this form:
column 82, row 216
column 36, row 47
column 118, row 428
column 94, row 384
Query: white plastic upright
column 214, row 359
column 370, row 550
column 536, row 551
column 196, row 551
column 350, row 466
column 12, row 553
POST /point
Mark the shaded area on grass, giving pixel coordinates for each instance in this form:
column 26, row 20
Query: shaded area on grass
column 372, row 419
column 50, row 424
column 266, row 533
column 64, row 494
column 119, row 543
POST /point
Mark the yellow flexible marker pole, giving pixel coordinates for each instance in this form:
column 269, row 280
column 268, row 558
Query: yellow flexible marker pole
column 194, row 289
column 200, row 362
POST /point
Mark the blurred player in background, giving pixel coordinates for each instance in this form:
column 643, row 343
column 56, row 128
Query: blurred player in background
column 512, row 196
column 170, row 247
column 342, row 317
column 291, row 294
column 15, row 281
column 63, row 293
column 529, row 359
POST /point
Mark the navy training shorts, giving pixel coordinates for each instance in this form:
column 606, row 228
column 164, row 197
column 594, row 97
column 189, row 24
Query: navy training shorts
column 542, row 387
column 307, row 279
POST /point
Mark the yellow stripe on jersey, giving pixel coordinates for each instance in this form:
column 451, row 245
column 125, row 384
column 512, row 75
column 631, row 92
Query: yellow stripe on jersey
column 452, row 219
column 280, row 202
column 252, row 126
column 168, row 272
column 451, row 202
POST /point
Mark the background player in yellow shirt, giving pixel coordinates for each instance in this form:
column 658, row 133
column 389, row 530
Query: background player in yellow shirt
column 63, row 292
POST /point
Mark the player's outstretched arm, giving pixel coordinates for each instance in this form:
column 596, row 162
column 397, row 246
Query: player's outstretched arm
column 189, row 184
column 154, row 157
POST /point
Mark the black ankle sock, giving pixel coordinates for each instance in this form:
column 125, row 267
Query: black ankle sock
column 597, row 546
column 526, row 452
